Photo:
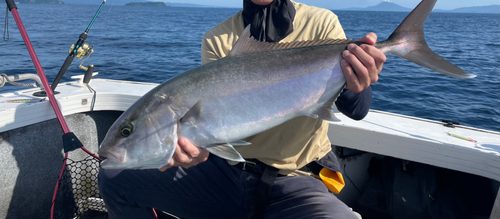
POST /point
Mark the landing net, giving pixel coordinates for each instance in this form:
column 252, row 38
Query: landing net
column 78, row 196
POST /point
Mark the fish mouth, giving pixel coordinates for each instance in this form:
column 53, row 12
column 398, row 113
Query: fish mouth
column 114, row 161
column 116, row 155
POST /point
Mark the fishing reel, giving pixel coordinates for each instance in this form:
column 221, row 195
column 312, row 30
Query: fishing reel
column 84, row 50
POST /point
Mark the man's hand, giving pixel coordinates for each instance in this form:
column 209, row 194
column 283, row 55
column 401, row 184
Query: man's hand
column 186, row 155
column 361, row 64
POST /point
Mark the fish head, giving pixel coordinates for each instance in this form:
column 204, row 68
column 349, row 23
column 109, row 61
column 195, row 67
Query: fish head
column 143, row 137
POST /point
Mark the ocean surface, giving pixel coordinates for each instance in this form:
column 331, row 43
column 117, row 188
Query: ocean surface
column 154, row 44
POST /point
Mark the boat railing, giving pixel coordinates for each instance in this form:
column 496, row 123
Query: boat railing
column 12, row 79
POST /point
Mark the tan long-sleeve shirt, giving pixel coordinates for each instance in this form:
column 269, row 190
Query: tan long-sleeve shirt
column 299, row 141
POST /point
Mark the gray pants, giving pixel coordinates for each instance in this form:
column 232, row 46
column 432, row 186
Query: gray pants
column 213, row 189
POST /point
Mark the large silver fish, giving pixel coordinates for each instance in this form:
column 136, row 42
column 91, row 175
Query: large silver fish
column 258, row 86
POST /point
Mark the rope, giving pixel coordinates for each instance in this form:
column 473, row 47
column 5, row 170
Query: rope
column 4, row 79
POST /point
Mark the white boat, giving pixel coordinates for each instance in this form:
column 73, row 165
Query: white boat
column 408, row 158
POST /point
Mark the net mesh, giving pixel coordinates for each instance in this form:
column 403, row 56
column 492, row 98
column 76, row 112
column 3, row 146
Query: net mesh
column 78, row 196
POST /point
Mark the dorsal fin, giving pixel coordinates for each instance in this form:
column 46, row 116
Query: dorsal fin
column 248, row 44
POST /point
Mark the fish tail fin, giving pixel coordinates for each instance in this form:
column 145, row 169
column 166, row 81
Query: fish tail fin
column 408, row 42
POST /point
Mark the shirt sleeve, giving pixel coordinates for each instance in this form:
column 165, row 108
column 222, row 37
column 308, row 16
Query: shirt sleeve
column 355, row 105
column 332, row 28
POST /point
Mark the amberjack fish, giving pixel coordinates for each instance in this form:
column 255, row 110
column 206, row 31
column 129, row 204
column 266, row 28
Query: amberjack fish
column 250, row 91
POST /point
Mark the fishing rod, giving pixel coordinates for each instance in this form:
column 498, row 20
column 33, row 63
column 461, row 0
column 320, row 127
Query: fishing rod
column 79, row 49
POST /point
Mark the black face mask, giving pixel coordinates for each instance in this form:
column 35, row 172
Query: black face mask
column 270, row 23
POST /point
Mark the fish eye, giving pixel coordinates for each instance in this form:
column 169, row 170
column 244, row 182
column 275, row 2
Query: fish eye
column 126, row 130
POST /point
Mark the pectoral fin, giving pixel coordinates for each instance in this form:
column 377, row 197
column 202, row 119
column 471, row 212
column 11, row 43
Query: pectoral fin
column 193, row 114
column 225, row 151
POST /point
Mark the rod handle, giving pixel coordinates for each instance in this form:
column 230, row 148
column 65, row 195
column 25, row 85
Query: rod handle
column 63, row 69
column 11, row 4
column 88, row 74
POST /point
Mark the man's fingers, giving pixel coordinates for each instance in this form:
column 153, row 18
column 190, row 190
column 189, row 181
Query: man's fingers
column 189, row 148
column 350, row 77
column 370, row 38
column 375, row 53
column 360, row 71
column 197, row 154
column 368, row 62
column 170, row 164
column 203, row 155
column 181, row 156
column 379, row 59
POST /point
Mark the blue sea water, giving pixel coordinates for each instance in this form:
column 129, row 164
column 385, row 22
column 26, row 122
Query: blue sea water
column 154, row 44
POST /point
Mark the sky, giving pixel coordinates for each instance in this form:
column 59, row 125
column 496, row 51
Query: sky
column 339, row 4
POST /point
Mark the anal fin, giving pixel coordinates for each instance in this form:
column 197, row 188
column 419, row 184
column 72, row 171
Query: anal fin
column 325, row 112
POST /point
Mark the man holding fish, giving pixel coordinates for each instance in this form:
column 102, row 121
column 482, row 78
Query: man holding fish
column 290, row 168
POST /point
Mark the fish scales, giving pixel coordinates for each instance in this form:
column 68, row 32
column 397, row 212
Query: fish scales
column 289, row 90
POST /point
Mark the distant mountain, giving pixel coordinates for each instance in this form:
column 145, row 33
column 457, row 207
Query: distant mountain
column 389, row 6
column 52, row 2
column 383, row 6
column 188, row 5
column 98, row 2
column 147, row 4
column 491, row 9
column 124, row 2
